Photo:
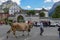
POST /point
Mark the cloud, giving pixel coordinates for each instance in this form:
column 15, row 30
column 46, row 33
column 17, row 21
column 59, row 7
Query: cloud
column 27, row 7
column 47, row 8
column 56, row 0
column 37, row 8
column 17, row 1
column 1, row 1
column 47, row 1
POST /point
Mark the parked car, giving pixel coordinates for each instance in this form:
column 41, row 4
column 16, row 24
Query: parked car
column 45, row 23
column 54, row 24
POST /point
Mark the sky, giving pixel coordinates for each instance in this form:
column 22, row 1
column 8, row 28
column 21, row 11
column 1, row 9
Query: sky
column 34, row 4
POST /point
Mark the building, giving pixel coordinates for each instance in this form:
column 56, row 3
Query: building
column 12, row 6
column 1, row 11
column 3, row 15
column 45, row 11
column 14, row 9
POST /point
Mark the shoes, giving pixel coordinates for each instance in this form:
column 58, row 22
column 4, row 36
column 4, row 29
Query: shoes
column 40, row 34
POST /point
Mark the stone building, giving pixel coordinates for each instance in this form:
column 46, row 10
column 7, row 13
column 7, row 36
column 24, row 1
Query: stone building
column 45, row 11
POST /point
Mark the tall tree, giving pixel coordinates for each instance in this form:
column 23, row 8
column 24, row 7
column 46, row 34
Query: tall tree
column 42, row 14
column 56, row 13
column 6, row 10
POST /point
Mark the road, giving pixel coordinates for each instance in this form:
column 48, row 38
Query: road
column 50, row 33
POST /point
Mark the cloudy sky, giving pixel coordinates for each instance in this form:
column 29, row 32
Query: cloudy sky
column 34, row 4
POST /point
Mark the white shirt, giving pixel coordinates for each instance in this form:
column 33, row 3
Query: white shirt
column 41, row 25
column 26, row 21
column 38, row 23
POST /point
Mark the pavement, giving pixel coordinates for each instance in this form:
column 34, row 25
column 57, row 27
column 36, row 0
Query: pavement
column 50, row 33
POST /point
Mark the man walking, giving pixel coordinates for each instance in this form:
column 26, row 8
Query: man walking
column 41, row 28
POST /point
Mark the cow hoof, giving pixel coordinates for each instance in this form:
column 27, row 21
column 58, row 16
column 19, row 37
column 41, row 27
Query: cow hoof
column 28, row 34
column 7, row 37
column 23, row 35
column 16, row 36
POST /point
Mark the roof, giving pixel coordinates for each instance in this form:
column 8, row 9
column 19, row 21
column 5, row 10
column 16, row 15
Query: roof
column 2, row 13
column 10, row 15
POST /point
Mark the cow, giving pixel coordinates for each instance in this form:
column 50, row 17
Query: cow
column 19, row 27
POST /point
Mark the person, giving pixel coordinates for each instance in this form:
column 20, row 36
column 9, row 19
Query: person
column 41, row 28
column 35, row 23
column 59, row 31
column 49, row 23
column 26, row 21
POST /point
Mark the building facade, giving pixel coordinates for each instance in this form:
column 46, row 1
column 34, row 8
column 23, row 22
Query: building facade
column 14, row 9
column 3, row 16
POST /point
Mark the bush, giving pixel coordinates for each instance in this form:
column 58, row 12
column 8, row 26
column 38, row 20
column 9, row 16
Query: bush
column 20, row 19
column 6, row 21
column 42, row 14
column 10, row 22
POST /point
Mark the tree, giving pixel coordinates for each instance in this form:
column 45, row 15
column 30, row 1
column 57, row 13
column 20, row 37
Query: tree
column 6, row 10
column 31, row 12
column 56, row 13
column 20, row 18
column 42, row 14
column 6, row 20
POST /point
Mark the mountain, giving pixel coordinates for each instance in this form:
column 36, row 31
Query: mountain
column 53, row 8
column 8, row 4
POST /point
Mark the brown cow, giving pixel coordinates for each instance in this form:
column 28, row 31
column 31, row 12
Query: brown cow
column 20, row 27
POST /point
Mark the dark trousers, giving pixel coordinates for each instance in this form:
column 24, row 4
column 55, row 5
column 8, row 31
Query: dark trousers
column 41, row 31
column 59, row 34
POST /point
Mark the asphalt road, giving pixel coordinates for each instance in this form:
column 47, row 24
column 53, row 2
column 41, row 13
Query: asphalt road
column 50, row 33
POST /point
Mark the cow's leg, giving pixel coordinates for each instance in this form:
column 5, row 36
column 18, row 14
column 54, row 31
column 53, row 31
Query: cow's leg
column 8, row 33
column 14, row 33
column 23, row 33
column 28, row 31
